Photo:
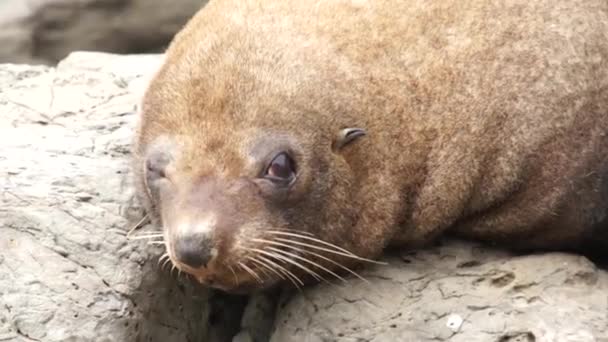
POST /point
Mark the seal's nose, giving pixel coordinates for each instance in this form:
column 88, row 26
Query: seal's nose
column 194, row 250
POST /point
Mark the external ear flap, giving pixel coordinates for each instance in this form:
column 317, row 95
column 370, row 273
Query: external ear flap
column 348, row 135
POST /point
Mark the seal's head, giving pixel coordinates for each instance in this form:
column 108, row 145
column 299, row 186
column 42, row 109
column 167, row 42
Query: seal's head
column 251, row 185
column 245, row 208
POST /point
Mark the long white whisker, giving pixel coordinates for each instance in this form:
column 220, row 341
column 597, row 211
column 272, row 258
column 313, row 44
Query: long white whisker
column 137, row 225
column 156, row 242
column 166, row 255
column 236, row 278
column 143, row 237
column 306, row 260
column 165, row 263
column 295, row 263
column 292, row 277
column 291, row 231
column 348, row 255
column 338, row 248
column 250, row 271
column 146, row 235
column 266, row 266
column 313, row 253
column 310, row 239
column 265, row 274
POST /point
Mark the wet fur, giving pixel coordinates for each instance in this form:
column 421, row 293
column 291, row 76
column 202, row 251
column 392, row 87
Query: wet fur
column 487, row 119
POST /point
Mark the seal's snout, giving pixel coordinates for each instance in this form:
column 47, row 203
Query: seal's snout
column 192, row 241
column 194, row 250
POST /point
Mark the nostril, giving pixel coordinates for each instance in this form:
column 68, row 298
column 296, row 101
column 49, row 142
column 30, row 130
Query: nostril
column 194, row 251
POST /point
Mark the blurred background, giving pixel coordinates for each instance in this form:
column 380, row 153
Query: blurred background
column 46, row 31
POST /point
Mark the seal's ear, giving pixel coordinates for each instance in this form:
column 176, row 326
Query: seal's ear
column 346, row 136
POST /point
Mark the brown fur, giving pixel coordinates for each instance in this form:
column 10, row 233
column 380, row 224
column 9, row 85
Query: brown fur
column 484, row 118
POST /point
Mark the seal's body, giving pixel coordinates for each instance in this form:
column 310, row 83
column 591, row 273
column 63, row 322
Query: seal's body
column 284, row 137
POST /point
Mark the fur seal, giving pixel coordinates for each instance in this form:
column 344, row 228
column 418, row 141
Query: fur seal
column 288, row 141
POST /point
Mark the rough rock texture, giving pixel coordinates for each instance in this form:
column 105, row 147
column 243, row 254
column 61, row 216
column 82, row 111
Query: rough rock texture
column 458, row 292
column 67, row 271
column 45, row 31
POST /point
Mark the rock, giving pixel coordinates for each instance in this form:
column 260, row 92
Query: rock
column 67, row 270
column 258, row 316
column 45, row 31
column 456, row 292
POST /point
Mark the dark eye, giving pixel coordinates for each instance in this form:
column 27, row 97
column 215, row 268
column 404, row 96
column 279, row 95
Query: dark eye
column 281, row 169
column 155, row 167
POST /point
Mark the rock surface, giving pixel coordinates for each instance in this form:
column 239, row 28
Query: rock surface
column 457, row 292
column 45, row 31
column 67, row 271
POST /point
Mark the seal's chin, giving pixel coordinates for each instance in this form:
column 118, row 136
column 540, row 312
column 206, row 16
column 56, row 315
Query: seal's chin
column 231, row 279
column 240, row 289
column 237, row 283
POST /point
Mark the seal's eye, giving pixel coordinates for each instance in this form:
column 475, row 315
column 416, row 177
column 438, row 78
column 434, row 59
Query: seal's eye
column 281, row 169
column 155, row 168
column 154, row 173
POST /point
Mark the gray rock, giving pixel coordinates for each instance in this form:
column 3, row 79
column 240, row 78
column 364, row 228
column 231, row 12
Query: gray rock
column 258, row 316
column 45, row 31
column 458, row 292
column 67, row 270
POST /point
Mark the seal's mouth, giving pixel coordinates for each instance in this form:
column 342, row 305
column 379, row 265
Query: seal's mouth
column 260, row 259
column 206, row 265
column 235, row 274
column 277, row 256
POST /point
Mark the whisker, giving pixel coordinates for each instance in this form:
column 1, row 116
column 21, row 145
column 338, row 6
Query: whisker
column 292, row 231
column 137, row 225
column 308, row 261
column 309, row 238
column 148, row 234
column 265, row 274
column 292, row 277
column 266, row 266
column 326, row 244
column 236, row 278
column 154, row 238
column 295, row 263
column 166, row 255
column 165, row 263
column 348, row 255
column 143, row 237
column 156, row 242
column 315, row 254
column 250, row 271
